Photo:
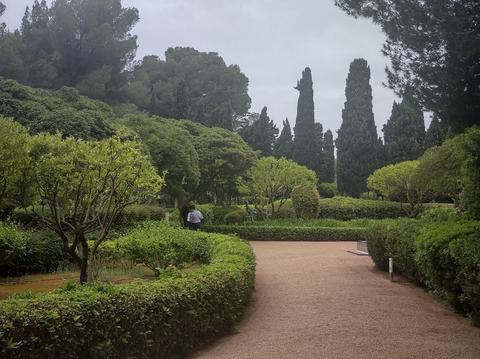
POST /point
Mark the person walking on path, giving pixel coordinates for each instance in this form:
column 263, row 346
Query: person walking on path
column 194, row 218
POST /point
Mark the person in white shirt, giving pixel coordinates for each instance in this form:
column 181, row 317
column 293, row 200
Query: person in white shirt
column 194, row 218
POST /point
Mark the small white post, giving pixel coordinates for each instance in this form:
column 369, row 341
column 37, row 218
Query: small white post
column 390, row 268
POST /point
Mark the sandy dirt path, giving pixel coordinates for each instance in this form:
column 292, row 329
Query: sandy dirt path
column 316, row 300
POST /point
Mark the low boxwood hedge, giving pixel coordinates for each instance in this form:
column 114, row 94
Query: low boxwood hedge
column 444, row 256
column 139, row 320
column 283, row 233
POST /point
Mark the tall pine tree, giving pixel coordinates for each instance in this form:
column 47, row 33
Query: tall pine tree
column 318, row 149
column 328, row 172
column 357, row 142
column 404, row 133
column 283, row 146
column 261, row 134
column 304, row 143
column 436, row 133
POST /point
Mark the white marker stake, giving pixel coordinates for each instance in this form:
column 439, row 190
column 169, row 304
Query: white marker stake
column 390, row 268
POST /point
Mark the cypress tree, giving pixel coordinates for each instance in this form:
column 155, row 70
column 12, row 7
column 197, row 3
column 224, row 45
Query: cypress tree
column 181, row 107
column 283, row 146
column 328, row 173
column 318, row 149
column 261, row 134
column 357, row 142
column 304, row 143
column 436, row 133
column 404, row 133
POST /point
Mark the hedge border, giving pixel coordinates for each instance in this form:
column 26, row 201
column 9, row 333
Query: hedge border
column 282, row 233
column 142, row 320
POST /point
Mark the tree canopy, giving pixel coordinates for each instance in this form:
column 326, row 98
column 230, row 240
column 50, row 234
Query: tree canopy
column 261, row 134
column 404, row 133
column 191, row 85
column 434, row 48
column 328, row 172
column 272, row 181
column 304, row 129
column 283, row 146
column 63, row 110
column 78, row 43
column 357, row 142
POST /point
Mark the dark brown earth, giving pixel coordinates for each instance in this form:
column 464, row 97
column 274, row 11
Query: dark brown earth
column 316, row 300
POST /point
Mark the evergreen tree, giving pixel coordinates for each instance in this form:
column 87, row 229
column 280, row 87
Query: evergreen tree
column 283, row 146
column 318, row 149
column 261, row 134
column 404, row 133
column 304, row 143
column 328, row 173
column 357, row 142
column 181, row 107
column 436, row 133
column 3, row 26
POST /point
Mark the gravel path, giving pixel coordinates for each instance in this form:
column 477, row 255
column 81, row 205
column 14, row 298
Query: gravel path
column 316, row 300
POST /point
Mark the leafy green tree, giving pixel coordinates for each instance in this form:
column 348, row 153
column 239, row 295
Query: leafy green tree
column 452, row 170
column 78, row 43
column 273, row 180
column 283, row 146
column 436, row 133
column 14, row 160
column 82, row 187
column 328, row 173
column 213, row 92
column 434, row 48
column 404, row 133
column 304, row 129
column 224, row 161
column 63, row 111
column 261, row 134
column 172, row 152
column 400, row 182
column 357, row 142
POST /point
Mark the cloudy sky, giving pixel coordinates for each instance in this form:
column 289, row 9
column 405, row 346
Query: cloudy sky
column 272, row 41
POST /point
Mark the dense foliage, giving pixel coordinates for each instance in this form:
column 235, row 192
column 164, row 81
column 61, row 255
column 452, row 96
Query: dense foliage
column 261, row 134
column 328, row 171
column 192, row 85
column 143, row 319
column 436, row 133
column 283, row 146
column 357, row 142
column 434, row 48
column 291, row 233
column 272, row 181
column 63, row 110
column 78, row 43
column 306, row 201
column 304, row 129
column 404, row 133
column 441, row 252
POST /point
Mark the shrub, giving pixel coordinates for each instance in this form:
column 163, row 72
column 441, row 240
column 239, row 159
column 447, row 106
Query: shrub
column 440, row 214
column 396, row 239
column 234, row 217
column 160, row 246
column 139, row 213
column 448, row 257
column 346, row 208
column 282, row 233
column 24, row 252
column 306, row 201
column 327, row 190
column 143, row 320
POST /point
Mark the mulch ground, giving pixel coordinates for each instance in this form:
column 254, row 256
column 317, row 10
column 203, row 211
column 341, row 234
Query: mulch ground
column 316, row 300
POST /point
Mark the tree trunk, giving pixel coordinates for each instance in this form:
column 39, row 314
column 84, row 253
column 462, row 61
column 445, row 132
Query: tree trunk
column 84, row 263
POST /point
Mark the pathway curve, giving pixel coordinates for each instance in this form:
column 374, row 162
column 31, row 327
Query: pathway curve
column 316, row 300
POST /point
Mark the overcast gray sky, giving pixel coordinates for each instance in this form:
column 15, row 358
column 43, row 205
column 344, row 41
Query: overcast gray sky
column 272, row 41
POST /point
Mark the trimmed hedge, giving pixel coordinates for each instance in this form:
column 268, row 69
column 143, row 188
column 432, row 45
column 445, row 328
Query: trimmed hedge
column 282, row 233
column 444, row 256
column 143, row 320
column 24, row 252
column 346, row 208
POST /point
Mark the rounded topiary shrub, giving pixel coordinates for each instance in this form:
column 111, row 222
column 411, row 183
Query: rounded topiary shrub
column 306, row 201
column 234, row 217
column 327, row 190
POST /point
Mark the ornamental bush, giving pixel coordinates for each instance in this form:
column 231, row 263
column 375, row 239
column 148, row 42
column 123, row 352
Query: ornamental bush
column 346, row 208
column 297, row 233
column 143, row 319
column 306, row 201
column 327, row 190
